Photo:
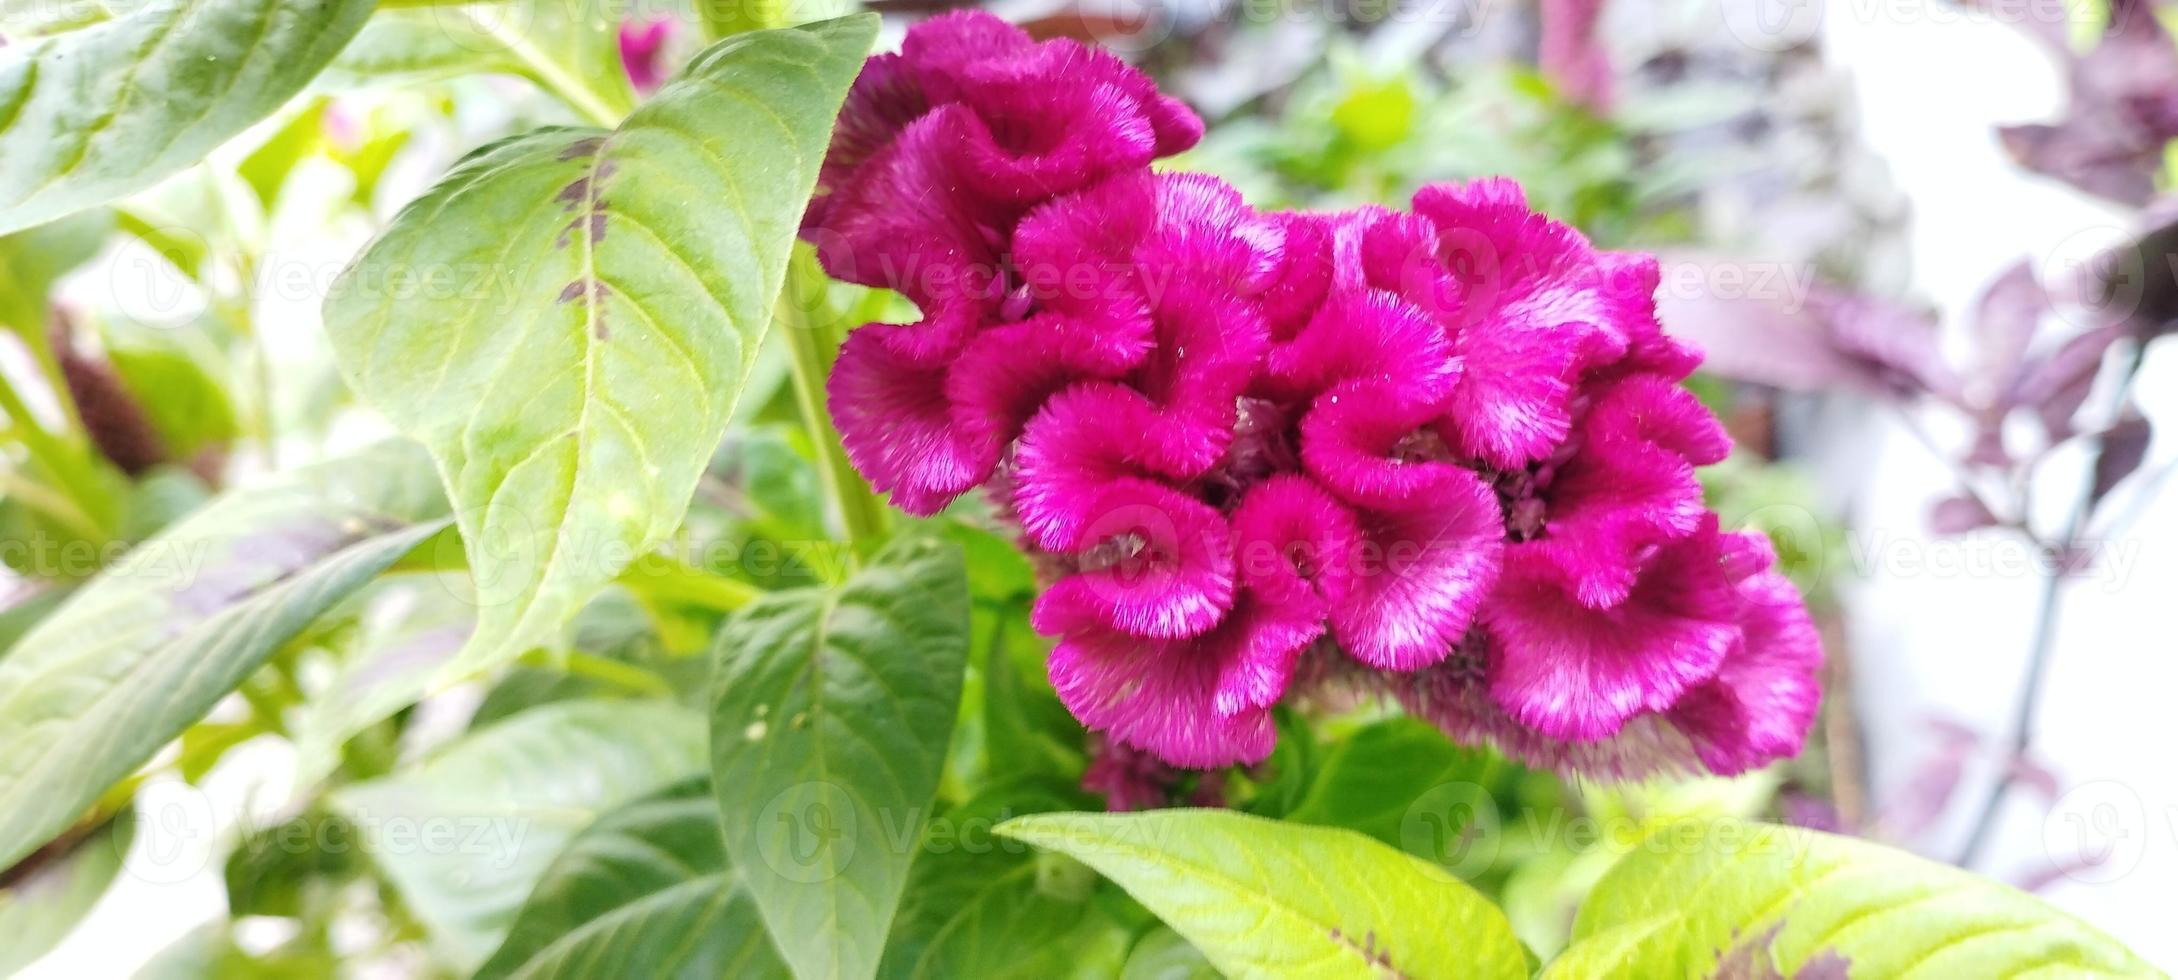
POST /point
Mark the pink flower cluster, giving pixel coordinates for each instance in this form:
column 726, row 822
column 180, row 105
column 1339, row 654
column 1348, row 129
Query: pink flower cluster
column 1443, row 453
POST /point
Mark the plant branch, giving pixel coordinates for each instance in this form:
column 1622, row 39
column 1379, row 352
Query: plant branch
column 2060, row 559
column 812, row 329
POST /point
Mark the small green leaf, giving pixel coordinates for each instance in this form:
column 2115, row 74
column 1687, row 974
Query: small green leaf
column 567, row 318
column 32, row 260
column 1745, row 899
column 465, row 835
column 151, row 644
column 98, row 113
column 39, row 909
column 1373, row 780
column 832, row 708
column 1266, row 899
column 643, row 892
column 172, row 374
column 286, row 869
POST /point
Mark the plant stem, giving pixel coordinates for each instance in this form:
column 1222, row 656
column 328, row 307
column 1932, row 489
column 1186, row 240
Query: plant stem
column 625, row 676
column 812, row 330
column 2045, row 635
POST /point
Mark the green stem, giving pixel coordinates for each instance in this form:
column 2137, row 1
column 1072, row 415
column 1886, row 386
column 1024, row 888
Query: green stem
column 812, row 329
column 666, row 578
column 540, row 67
column 625, row 676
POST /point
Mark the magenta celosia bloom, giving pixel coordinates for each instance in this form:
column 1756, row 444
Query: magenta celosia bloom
column 1441, row 454
column 642, row 51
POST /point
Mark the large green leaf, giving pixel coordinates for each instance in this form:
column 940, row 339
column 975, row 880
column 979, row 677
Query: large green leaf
column 831, row 714
column 94, row 114
column 465, row 835
column 1261, row 898
column 644, row 892
column 157, row 639
column 982, row 906
column 1727, row 898
column 569, row 49
column 40, row 908
column 567, row 318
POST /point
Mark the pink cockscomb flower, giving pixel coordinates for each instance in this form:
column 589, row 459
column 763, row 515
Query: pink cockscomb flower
column 643, row 49
column 1441, row 454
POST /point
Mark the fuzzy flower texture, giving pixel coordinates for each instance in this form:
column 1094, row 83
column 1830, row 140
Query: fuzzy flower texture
column 1440, row 455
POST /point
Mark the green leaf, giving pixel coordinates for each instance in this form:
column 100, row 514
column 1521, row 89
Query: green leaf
column 408, row 628
column 1725, row 897
column 99, row 113
column 1164, row 955
column 830, row 717
column 409, row 46
column 287, row 869
column 644, row 892
column 151, row 644
column 566, row 319
column 39, row 909
column 1266, row 899
column 1374, row 779
column 172, row 373
column 571, row 50
column 465, row 835
column 978, row 905
column 31, row 261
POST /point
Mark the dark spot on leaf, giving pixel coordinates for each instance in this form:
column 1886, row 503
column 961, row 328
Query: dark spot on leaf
column 1755, row 959
column 1367, row 947
column 574, row 193
column 584, row 147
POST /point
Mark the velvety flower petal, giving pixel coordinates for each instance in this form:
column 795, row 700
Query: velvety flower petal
column 1628, row 486
column 1006, row 373
column 1197, row 703
column 896, row 424
column 1369, row 444
column 1367, row 335
column 1419, row 577
column 1576, row 673
column 1455, row 698
column 1209, row 345
column 1632, row 338
column 1154, row 563
column 1054, row 117
column 1295, row 544
column 1510, row 404
column 1532, row 298
column 1305, row 271
column 895, row 223
column 1084, row 438
column 1760, row 704
column 1407, row 254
